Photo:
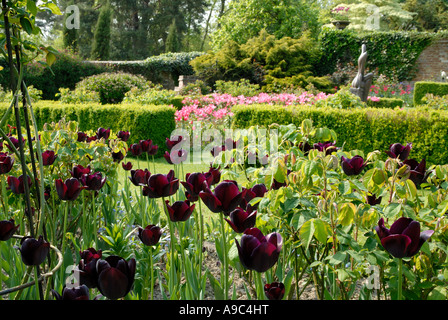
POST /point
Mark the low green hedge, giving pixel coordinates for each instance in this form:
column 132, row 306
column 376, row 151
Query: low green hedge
column 421, row 88
column 143, row 122
column 389, row 103
column 365, row 129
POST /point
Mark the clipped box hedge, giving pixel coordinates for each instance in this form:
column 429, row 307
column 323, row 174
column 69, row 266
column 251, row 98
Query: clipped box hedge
column 365, row 129
column 421, row 88
column 144, row 122
column 390, row 103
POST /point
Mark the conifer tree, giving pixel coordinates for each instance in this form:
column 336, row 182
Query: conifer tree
column 101, row 40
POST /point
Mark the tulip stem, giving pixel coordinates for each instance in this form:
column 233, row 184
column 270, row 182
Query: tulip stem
column 172, row 270
column 225, row 269
column 400, row 279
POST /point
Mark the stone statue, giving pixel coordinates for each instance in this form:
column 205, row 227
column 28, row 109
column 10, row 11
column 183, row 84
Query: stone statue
column 361, row 84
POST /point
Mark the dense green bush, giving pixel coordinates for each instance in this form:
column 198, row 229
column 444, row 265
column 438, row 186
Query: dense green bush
column 422, row 88
column 237, row 88
column 389, row 53
column 112, row 87
column 390, row 103
column 365, row 129
column 153, row 96
column 143, row 122
column 435, row 102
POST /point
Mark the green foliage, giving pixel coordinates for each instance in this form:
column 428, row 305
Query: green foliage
column 112, row 87
column 196, row 88
column 151, row 96
column 237, row 88
column 343, row 99
column 435, row 102
column 389, row 103
column 432, row 15
column 143, row 122
column 172, row 40
column 101, row 39
column 422, row 88
column 365, row 129
column 80, row 95
column 262, row 60
column 392, row 54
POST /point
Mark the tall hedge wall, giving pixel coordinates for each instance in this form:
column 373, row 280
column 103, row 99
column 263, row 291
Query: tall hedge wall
column 143, row 122
column 421, row 88
column 366, row 129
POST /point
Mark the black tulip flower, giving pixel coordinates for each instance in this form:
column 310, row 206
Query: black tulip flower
column 93, row 182
column 7, row 229
column 76, row 293
column 117, row 156
column 34, row 251
column 78, row 171
column 152, row 150
column 240, row 220
column 145, row 145
column 17, row 185
column 48, row 157
column 258, row 252
column 150, row 236
column 418, row 172
column 170, row 143
column 399, row 151
column 92, row 138
column 373, row 199
column 161, row 185
column 195, row 183
column 327, row 147
column 404, row 238
column 225, row 198
column 136, row 149
column 274, row 290
column 127, row 166
column 257, row 191
column 277, row 185
column 353, row 166
column 69, row 189
column 82, row 136
column 103, row 133
column 123, row 135
column 115, row 276
column 140, row 177
column 6, row 163
column 214, row 174
column 179, row 210
column 177, row 157
column 86, row 269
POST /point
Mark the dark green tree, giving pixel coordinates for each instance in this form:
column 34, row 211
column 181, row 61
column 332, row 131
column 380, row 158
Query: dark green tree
column 172, row 40
column 101, row 40
column 70, row 33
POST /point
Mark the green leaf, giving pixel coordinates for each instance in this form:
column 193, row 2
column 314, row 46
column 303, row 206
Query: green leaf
column 31, row 5
column 438, row 293
column 347, row 214
column 322, row 230
column 50, row 58
column 54, row 8
column 306, row 233
column 26, row 25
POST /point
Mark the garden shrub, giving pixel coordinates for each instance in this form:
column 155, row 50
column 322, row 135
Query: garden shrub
column 196, row 88
column 112, row 87
column 365, row 129
column 143, row 122
column 390, row 103
column 435, row 102
column 240, row 87
column 421, row 88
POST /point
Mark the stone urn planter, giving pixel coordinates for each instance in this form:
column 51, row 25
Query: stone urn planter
column 339, row 24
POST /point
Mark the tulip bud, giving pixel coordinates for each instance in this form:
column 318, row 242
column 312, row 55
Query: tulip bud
column 34, row 251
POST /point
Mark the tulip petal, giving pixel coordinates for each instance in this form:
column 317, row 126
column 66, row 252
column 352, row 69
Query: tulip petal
column 396, row 244
column 400, row 225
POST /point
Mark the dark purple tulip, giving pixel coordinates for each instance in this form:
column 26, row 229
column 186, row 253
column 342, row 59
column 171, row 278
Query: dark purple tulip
column 127, row 166
column 179, row 210
column 176, row 158
column 417, row 171
column 48, row 157
column 258, row 252
column 140, row 177
column 103, row 133
column 115, row 276
column 153, row 149
column 161, row 185
column 123, row 135
column 397, row 150
column 215, row 175
column 86, row 269
column 257, row 191
column 82, row 136
column 34, row 251
column 92, row 138
column 15, row 143
column 404, row 238
column 274, row 290
column 225, row 198
column 6, row 163
column 241, row 220
column 136, row 149
column 16, row 184
column 277, row 185
column 76, row 293
column 305, row 147
column 373, row 200
column 94, row 181
column 195, row 183
column 145, row 145
column 353, row 166
column 327, row 147
column 78, row 171
column 117, row 156
column 170, row 143
column 7, row 229
column 150, row 236
column 69, row 190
